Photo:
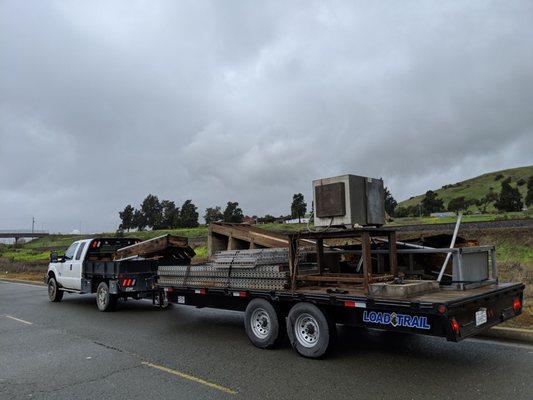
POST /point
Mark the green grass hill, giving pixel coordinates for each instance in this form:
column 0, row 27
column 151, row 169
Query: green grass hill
column 476, row 188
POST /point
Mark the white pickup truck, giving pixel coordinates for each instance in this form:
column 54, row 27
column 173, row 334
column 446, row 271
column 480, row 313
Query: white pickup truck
column 88, row 267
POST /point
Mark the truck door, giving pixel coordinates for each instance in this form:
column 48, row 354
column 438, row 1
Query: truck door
column 75, row 272
column 66, row 277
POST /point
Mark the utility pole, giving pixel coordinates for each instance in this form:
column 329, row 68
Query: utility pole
column 32, row 224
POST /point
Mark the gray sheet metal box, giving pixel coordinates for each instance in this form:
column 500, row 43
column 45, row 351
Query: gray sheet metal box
column 474, row 268
column 349, row 200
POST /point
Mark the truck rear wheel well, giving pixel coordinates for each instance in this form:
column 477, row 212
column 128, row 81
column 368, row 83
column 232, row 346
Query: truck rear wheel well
column 95, row 282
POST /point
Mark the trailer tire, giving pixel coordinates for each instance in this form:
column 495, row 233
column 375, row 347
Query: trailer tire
column 310, row 330
column 263, row 324
column 54, row 294
column 105, row 301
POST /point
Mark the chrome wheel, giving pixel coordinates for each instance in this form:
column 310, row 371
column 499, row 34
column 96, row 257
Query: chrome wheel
column 260, row 323
column 306, row 330
column 102, row 296
column 52, row 288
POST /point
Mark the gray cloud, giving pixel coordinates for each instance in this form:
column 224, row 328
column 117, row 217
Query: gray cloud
column 104, row 102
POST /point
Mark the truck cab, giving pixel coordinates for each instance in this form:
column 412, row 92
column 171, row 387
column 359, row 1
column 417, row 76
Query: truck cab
column 89, row 266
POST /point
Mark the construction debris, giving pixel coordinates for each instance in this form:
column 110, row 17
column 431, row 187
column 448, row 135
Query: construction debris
column 166, row 246
column 266, row 269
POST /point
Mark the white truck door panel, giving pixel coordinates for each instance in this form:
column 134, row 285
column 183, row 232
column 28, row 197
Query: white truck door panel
column 67, row 279
column 76, row 266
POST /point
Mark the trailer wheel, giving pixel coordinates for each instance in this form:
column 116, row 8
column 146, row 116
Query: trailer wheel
column 263, row 324
column 105, row 301
column 54, row 294
column 310, row 331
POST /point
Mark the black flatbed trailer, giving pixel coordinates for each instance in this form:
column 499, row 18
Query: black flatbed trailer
column 448, row 314
column 311, row 305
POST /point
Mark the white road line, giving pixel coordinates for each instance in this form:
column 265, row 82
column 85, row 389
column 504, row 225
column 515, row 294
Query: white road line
column 18, row 319
column 23, row 284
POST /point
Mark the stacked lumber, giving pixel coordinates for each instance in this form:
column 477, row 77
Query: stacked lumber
column 176, row 247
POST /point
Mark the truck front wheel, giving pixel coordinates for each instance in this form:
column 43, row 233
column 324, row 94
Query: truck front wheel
column 54, row 294
column 105, row 300
column 263, row 325
column 310, row 331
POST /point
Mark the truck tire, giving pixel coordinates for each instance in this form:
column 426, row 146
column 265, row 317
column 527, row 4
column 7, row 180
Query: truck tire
column 263, row 324
column 105, row 301
column 310, row 331
column 54, row 294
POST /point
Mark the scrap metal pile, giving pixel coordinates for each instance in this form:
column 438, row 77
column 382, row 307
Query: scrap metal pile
column 265, row 269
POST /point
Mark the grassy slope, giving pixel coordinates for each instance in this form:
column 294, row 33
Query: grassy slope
column 477, row 187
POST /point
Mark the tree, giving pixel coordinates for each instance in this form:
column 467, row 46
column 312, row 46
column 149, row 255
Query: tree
column 390, row 203
column 152, row 211
column 529, row 195
column 267, row 219
column 233, row 213
column 213, row 214
column 170, row 215
column 489, row 198
column 431, row 203
column 458, row 204
column 138, row 221
column 188, row 215
column 298, row 206
column 126, row 216
column 509, row 199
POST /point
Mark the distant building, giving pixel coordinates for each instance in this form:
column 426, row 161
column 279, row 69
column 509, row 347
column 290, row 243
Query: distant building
column 442, row 214
column 296, row 221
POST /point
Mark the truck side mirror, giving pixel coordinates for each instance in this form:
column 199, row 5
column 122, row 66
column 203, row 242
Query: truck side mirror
column 53, row 257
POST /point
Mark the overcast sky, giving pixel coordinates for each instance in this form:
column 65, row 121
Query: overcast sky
column 104, row 102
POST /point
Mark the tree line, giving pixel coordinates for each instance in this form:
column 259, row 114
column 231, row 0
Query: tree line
column 508, row 199
column 155, row 214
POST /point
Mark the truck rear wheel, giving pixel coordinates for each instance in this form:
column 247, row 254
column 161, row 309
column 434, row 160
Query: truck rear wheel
column 54, row 294
column 105, row 301
column 263, row 325
column 310, row 331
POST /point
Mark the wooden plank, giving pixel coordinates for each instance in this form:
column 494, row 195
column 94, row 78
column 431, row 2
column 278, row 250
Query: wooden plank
column 153, row 246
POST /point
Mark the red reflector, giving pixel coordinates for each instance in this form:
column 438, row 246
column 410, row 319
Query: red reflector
column 442, row 309
column 349, row 303
column 517, row 304
column 455, row 326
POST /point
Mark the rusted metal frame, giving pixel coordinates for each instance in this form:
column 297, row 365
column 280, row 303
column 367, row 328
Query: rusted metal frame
column 367, row 260
column 292, row 261
column 320, row 255
column 393, row 255
column 342, row 278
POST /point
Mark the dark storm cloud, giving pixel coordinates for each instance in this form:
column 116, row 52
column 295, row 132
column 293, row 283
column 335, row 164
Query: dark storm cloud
column 104, row 102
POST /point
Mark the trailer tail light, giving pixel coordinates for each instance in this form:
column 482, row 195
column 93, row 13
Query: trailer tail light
column 354, row 304
column 240, row 294
column 200, row 291
column 517, row 305
column 456, row 328
column 128, row 282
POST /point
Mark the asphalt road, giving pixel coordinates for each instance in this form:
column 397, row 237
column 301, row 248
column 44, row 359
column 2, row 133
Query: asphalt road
column 71, row 350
